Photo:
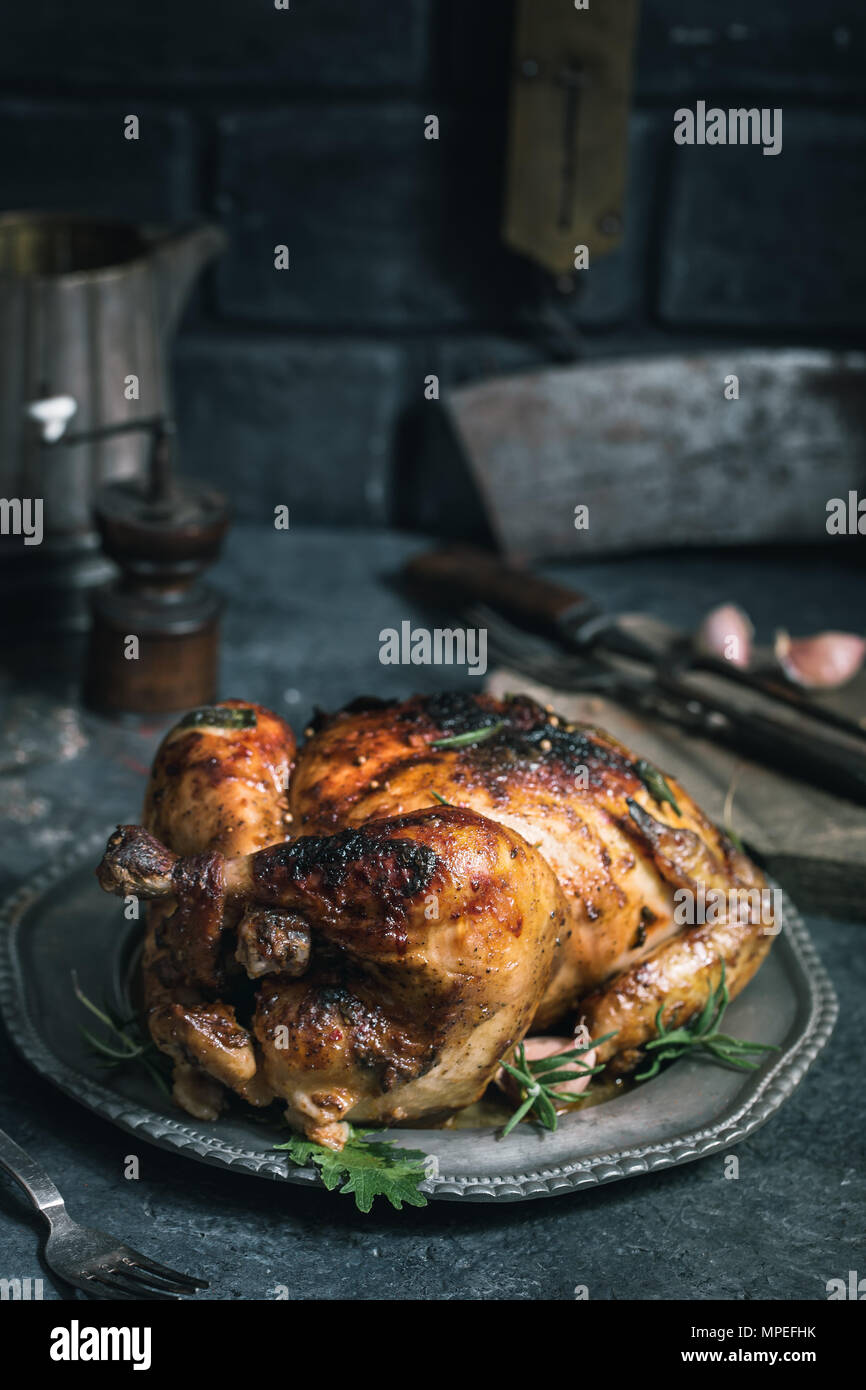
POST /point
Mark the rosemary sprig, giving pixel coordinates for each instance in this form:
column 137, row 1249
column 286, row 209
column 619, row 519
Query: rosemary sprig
column 440, row 799
column 728, row 813
column 472, row 736
column 700, row 1033
column 217, row 717
column 655, row 783
column 126, row 1046
column 539, row 1078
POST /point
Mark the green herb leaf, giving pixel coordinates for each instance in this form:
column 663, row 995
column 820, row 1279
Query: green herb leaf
column 440, row 799
column 105, row 1051
column 365, row 1170
column 473, row 736
column 124, row 1045
column 538, row 1078
column 520, row 1112
column 218, row 717
column 700, row 1034
column 655, row 784
column 553, row 1078
column 542, row 1064
column 734, row 838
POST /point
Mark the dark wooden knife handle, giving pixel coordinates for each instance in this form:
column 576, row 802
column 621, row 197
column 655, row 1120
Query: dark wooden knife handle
column 466, row 573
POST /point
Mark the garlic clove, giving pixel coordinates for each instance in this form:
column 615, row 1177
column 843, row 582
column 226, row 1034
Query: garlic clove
column 726, row 632
column 824, row 661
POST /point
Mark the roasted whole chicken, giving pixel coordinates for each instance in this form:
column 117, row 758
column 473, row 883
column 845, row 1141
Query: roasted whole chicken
column 364, row 927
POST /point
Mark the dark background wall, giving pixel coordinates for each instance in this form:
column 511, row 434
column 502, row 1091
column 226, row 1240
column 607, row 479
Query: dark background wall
column 305, row 127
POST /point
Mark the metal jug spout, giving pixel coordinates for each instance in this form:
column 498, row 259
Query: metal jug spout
column 176, row 261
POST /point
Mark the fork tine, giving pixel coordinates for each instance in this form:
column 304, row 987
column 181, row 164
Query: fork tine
column 507, row 634
column 533, row 655
column 135, row 1261
column 104, row 1292
column 121, row 1287
column 525, row 652
column 507, row 649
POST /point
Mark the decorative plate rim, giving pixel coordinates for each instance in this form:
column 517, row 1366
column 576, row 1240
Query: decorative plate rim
column 773, row 1090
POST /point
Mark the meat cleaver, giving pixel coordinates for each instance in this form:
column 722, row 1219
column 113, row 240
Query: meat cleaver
column 615, row 457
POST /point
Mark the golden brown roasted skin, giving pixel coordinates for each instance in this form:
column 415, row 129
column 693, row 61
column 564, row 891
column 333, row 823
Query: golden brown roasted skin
column 433, row 937
column 220, row 788
column 572, row 791
column 678, row 976
column 399, row 946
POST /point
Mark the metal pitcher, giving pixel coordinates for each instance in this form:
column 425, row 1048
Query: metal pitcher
column 87, row 309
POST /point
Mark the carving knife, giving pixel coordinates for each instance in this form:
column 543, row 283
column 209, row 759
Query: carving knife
column 467, row 574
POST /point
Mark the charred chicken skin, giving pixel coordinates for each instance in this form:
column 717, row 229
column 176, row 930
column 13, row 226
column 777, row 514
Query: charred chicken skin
column 364, row 927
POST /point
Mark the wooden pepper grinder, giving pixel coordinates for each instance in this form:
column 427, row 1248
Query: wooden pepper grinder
column 154, row 642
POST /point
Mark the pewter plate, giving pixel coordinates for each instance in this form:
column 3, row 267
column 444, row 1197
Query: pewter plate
column 60, row 921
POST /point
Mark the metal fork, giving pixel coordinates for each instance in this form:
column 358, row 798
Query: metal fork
column 796, row 752
column 80, row 1255
column 534, row 657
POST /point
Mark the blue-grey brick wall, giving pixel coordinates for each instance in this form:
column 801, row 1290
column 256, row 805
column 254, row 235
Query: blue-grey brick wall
column 304, row 127
column 770, row 235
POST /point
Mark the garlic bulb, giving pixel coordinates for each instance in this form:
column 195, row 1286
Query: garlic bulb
column 824, row 661
column 726, row 632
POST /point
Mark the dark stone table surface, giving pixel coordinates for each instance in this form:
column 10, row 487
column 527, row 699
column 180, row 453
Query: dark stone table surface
column 302, row 630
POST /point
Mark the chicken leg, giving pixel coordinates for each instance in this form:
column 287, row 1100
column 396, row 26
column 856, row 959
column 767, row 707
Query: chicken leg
column 433, row 940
